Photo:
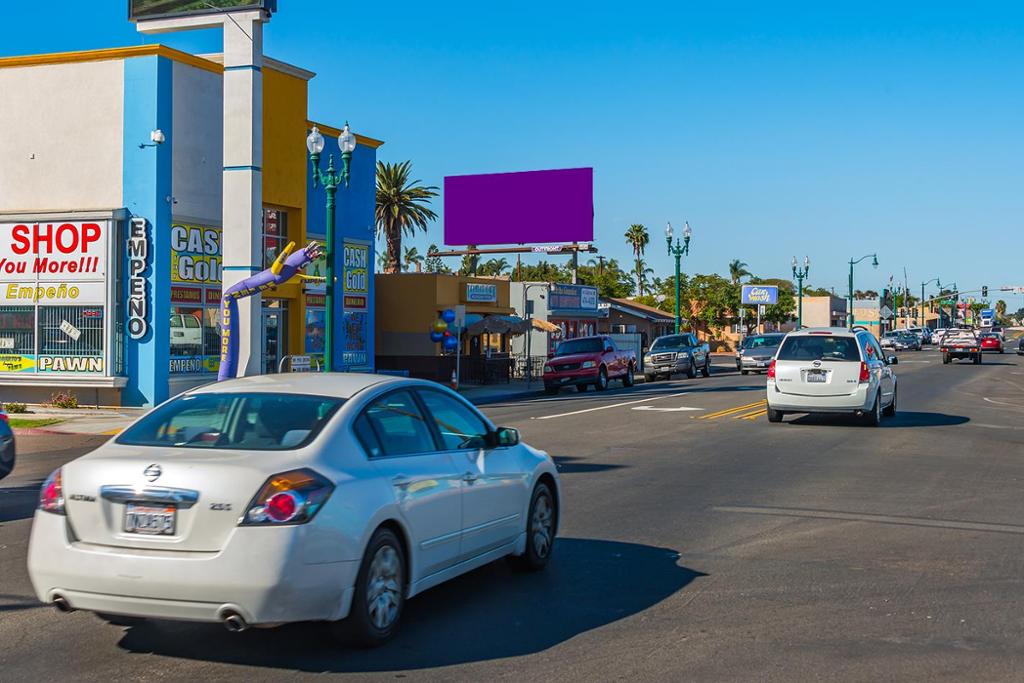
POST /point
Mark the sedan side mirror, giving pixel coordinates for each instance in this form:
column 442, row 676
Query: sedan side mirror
column 506, row 436
column 892, row 360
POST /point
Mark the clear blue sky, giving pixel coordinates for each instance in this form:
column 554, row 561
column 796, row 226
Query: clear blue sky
column 774, row 128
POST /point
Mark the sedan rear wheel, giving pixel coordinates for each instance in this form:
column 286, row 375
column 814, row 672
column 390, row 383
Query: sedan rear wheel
column 379, row 591
column 541, row 524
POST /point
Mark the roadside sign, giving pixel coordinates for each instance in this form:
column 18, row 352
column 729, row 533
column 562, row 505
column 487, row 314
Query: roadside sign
column 460, row 316
column 759, row 294
column 300, row 363
column 885, row 313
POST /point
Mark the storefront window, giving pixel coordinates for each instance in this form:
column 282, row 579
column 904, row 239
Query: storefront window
column 195, row 298
column 195, row 337
column 275, row 234
column 17, row 338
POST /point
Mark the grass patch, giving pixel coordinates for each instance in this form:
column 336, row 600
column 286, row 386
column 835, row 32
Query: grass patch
column 22, row 423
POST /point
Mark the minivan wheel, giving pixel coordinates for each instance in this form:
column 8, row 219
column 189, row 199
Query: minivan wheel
column 379, row 592
column 890, row 410
column 873, row 417
column 541, row 525
column 775, row 415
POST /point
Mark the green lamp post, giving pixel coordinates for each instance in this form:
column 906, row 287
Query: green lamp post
column 800, row 274
column 677, row 251
column 937, row 284
column 331, row 180
column 874, row 262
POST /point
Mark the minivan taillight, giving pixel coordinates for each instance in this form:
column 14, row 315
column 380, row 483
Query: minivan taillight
column 771, row 369
column 865, row 374
column 292, row 497
column 51, row 496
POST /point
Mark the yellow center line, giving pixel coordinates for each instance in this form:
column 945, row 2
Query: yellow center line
column 753, row 416
column 730, row 411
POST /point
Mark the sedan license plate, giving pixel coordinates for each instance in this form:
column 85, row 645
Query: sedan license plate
column 151, row 520
column 816, row 377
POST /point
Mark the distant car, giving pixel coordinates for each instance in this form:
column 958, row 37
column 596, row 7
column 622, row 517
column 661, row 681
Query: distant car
column 6, row 444
column 676, row 353
column 923, row 333
column 958, row 344
column 1020, row 347
column 991, row 342
column 832, row 370
column 901, row 340
column 588, row 362
column 757, row 351
column 937, row 334
column 298, row 497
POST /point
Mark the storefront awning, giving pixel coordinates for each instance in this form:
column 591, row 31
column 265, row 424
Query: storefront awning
column 545, row 326
column 498, row 324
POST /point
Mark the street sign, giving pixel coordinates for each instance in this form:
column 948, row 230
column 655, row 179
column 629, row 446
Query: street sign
column 885, row 313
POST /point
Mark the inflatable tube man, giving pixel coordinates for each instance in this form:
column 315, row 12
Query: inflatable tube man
column 284, row 268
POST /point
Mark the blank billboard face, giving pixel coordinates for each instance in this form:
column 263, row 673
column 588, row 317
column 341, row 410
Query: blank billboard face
column 534, row 207
column 153, row 9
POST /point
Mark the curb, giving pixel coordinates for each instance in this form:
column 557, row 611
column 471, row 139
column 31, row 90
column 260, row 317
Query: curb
column 503, row 398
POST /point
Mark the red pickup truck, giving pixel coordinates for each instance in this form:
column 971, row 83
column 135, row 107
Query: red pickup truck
column 588, row 361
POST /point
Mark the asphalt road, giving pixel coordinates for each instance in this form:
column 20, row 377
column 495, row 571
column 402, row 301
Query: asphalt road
column 699, row 542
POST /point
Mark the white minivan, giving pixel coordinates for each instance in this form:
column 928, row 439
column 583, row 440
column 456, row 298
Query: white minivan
column 832, row 370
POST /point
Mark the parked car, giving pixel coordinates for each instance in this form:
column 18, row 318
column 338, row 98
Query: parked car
column 990, row 341
column 832, row 370
column 757, row 352
column 7, row 447
column 186, row 333
column 958, row 344
column 295, row 497
column 1020, row 347
column 676, row 353
column 586, row 362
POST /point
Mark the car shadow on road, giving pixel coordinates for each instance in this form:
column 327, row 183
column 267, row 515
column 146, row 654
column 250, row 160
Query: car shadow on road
column 19, row 502
column 490, row 613
column 568, row 465
column 902, row 419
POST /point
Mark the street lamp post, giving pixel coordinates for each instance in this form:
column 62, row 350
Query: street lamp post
column 937, row 284
column 800, row 274
column 331, row 180
column 874, row 262
column 677, row 251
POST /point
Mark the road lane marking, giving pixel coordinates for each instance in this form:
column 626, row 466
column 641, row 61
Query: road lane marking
column 734, row 409
column 1002, row 403
column 876, row 519
column 608, row 407
column 752, row 416
column 666, row 410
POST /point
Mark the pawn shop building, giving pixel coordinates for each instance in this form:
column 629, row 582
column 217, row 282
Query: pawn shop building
column 112, row 244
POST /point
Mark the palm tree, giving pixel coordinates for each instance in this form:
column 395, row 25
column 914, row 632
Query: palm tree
column 412, row 258
column 641, row 274
column 738, row 271
column 638, row 238
column 1000, row 310
column 384, row 262
column 401, row 206
column 494, row 266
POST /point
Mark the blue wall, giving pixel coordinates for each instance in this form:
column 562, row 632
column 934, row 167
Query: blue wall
column 147, row 184
column 354, row 220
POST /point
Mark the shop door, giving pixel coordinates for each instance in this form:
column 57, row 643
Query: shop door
column 275, row 335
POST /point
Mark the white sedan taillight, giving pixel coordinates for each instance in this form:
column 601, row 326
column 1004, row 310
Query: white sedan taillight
column 51, row 496
column 292, row 497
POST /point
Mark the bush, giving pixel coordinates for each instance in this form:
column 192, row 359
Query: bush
column 16, row 407
column 64, row 399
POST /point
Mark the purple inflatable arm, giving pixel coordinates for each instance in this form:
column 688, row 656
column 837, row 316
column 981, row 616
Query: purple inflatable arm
column 286, row 266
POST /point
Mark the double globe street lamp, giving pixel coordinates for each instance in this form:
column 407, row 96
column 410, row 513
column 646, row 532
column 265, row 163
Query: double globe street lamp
column 874, row 262
column 800, row 274
column 677, row 251
column 331, row 180
column 937, row 284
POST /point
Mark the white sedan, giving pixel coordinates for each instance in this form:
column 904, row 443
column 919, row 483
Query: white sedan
column 284, row 498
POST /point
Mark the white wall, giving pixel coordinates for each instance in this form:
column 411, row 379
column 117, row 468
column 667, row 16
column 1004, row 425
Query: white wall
column 61, row 136
column 198, row 111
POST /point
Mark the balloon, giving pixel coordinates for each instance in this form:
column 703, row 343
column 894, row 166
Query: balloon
column 450, row 343
column 448, row 316
column 436, row 336
column 440, row 326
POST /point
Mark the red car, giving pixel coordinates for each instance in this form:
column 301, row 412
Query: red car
column 990, row 341
column 588, row 361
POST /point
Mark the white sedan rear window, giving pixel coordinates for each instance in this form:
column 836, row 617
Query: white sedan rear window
column 820, row 347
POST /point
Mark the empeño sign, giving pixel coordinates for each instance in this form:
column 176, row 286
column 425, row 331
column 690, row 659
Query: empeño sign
column 760, row 294
column 138, row 253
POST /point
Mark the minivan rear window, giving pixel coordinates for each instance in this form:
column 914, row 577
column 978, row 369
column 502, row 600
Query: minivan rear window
column 234, row 421
column 819, row 348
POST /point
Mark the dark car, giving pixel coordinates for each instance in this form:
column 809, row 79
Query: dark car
column 6, row 445
column 757, row 351
column 677, row 353
column 1020, row 347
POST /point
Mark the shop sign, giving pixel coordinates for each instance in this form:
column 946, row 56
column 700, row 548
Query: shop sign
column 186, row 295
column 573, row 297
column 53, row 251
column 195, row 254
column 355, row 354
column 316, row 300
column 70, row 330
column 356, row 270
column 759, row 294
column 355, row 302
column 138, row 252
column 52, row 292
column 588, row 298
column 477, row 292
column 70, row 363
column 16, row 362
column 194, row 364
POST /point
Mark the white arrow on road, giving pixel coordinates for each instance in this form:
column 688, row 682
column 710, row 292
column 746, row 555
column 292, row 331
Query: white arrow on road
column 665, row 410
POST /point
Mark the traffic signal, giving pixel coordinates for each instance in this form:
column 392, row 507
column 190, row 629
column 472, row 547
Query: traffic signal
column 984, row 291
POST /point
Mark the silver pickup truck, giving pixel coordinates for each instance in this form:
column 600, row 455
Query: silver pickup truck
column 674, row 354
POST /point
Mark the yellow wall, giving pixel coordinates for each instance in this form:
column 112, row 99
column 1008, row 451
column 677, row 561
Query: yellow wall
column 285, row 178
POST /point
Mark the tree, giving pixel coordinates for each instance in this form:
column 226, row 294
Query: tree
column 401, row 206
column 610, row 280
column 384, row 264
column 433, row 263
column 780, row 312
column 738, row 271
column 1000, row 310
column 641, row 273
column 865, row 294
column 638, row 237
column 412, row 258
column 542, row 271
column 816, row 291
column 494, row 266
column 712, row 301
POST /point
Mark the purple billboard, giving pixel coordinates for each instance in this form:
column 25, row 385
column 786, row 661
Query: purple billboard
column 519, row 208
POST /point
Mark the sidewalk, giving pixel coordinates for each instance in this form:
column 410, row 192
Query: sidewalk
column 108, row 421
column 505, row 391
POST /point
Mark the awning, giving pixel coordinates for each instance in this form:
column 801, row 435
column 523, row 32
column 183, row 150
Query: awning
column 499, row 324
column 545, row 326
